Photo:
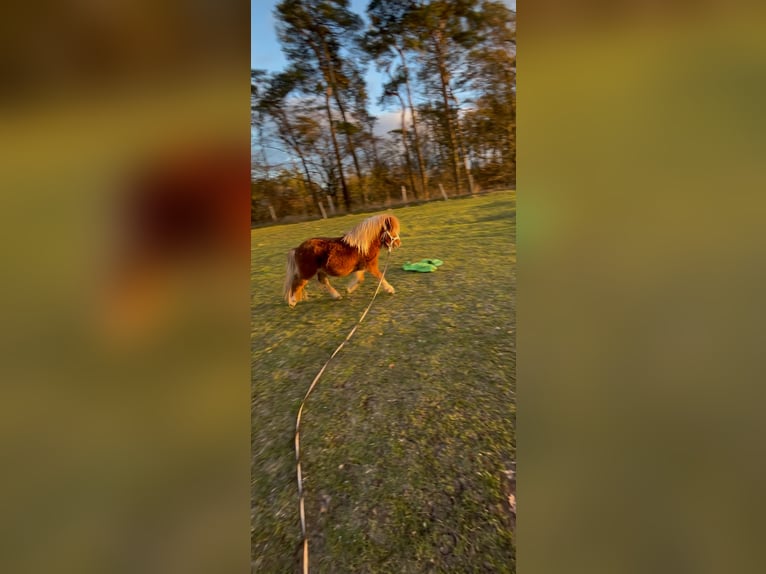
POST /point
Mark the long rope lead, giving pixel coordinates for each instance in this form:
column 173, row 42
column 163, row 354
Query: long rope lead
column 300, row 413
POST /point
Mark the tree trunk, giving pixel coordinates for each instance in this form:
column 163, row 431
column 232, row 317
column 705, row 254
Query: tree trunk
column 461, row 145
column 453, row 147
column 290, row 139
column 352, row 148
column 444, row 80
column 511, row 141
column 408, row 164
column 349, row 141
column 310, row 183
column 413, row 114
column 336, row 148
column 376, row 169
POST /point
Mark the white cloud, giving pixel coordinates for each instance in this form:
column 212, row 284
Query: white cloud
column 388, row 121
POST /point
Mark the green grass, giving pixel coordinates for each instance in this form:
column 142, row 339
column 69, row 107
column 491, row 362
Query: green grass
column 408, row 433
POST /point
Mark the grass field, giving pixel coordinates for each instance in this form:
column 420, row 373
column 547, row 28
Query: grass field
column 408, row 439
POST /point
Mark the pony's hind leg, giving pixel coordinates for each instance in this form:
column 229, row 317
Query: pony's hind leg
column 325, row 280
column 355, row 282
column 300, row 268
column 298, row 292
column 294, row 283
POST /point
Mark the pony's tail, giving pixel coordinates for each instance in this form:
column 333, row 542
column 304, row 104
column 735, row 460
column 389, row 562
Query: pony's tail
column 292, row 273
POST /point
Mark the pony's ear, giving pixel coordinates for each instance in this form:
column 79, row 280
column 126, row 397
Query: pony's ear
column 388, row 223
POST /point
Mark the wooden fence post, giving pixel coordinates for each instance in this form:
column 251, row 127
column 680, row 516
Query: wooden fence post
column 468, row 173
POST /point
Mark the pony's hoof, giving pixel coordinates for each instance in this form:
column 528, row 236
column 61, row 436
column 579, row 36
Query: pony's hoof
column 391, row 291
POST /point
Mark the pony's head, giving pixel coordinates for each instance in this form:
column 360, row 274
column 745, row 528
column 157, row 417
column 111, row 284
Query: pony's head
column 381, row 229
column 390, row 235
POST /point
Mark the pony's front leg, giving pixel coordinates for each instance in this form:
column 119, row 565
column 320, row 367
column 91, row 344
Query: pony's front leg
column 355, row 282
column 387, row 287
column 325, row 280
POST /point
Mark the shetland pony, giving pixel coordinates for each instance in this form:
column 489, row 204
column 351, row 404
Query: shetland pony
column 355, row 252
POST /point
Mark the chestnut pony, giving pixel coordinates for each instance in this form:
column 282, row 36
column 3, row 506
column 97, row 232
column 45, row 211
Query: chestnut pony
column 355, row 252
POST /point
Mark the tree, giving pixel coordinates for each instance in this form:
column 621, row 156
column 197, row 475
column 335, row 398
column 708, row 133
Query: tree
column 491, row 76
column 315, row 35
column 387, row 35
column 391, row 90
column 442, row 32
column 258, row 80
column 298, row 134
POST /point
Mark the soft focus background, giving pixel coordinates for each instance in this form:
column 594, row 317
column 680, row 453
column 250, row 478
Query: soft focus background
column 641, row 272
column 125, row 411
column 124, row 417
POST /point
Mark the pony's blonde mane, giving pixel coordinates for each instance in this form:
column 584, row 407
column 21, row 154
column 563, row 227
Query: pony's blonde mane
column 368, row 231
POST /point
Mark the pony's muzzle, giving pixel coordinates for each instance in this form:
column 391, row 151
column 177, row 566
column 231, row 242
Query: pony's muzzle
column 392, row 241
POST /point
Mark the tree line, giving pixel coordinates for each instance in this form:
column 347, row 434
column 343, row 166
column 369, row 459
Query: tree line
column 449, row 68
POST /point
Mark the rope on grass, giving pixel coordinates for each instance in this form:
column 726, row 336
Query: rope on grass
column 300, row 413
